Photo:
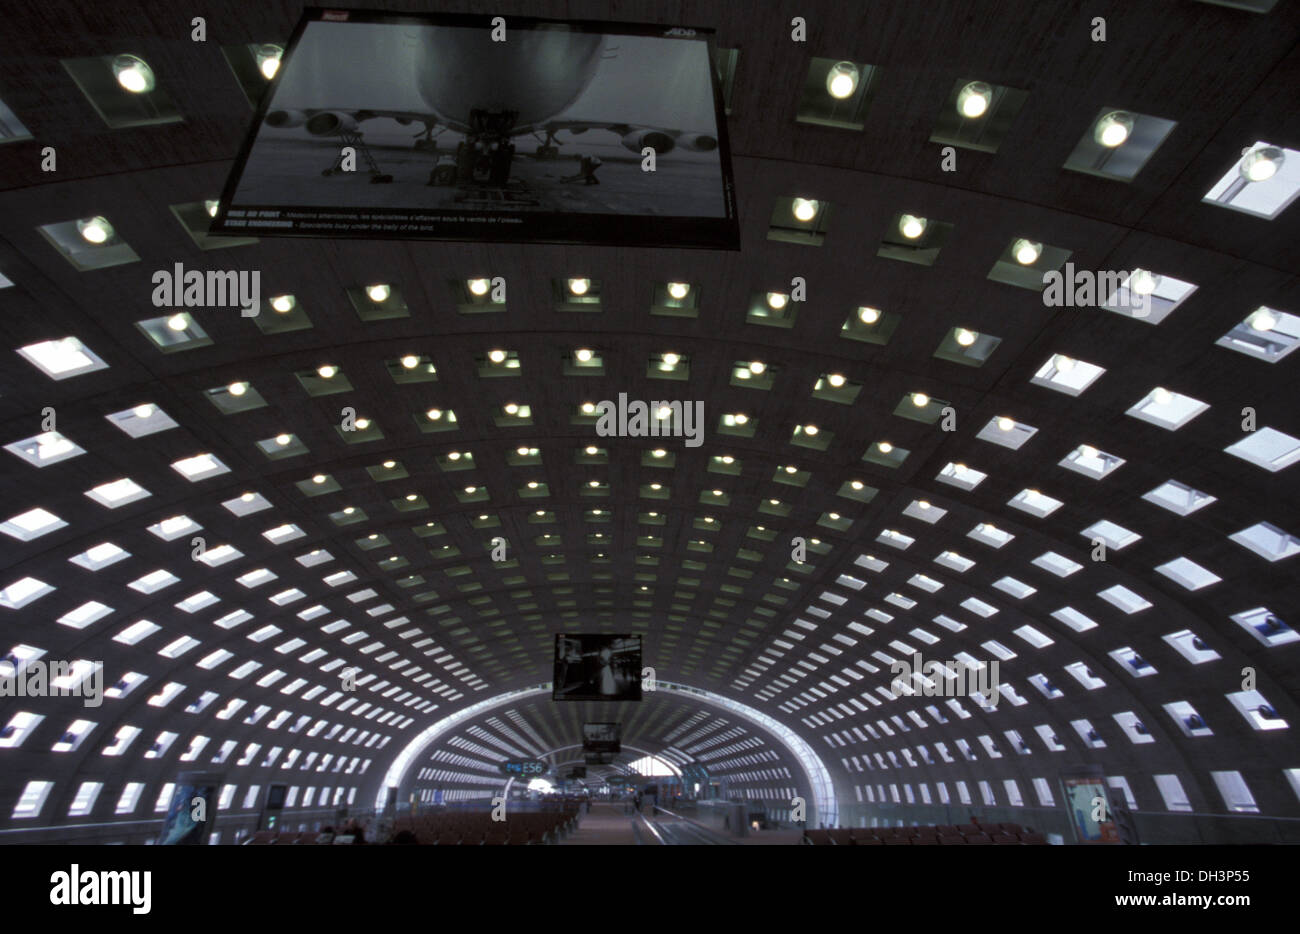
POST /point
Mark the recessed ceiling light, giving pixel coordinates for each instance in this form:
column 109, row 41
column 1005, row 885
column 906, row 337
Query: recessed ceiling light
column 588, row 408
column 177, row 323
column 671, row 359
column 810, row 429
column 95, row 229
column 842, row 80
column 410, row 361
column 1143, row 282
column 282, row 440
column 212, row 205
column 327, row 371
column 248, row 497
column 237, row 389
column 678, row 290
column 965, row 337
column 579, row 286
column 1006, row 424
column 1260, row 165
column 471, row 489
column 584, row 355
column 143, row 411
column 319, row 478
column 836, row 379
column 591, row 450
column 411, row 497
column 1161, row 396
column 532, row 485
column 593, row 483
column 728, row 459
column 1262, row 320
column 659, row 452
column 1064, row 364
column 268, row 60
column 282, row 303
column 497, row 356
column 133, row 74
column 378, row 293
column 478, row 286
column 911, row 226
column 804, row 209
column 868, row 315
column 433, row 414
column 974, row 99
column 1027, row 252
column 776, row 300
column 740, row 418
column 363, row 423
column 856, row 484
column 389, row 465
column 511, row 408
column 1113, row 129
column 454, row 456
column 791, row 469
column 885, row 447
column 920, row 400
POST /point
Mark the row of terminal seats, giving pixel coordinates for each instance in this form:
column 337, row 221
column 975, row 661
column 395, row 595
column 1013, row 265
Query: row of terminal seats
column 454, row 828
column 937, row 834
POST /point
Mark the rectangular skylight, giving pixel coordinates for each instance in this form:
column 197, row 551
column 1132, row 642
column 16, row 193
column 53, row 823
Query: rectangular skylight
column 1267, row 541
column 1114, row 535
column 1262, row 183
column 141, row 420
column 1007, row 432
column 1188, row 573
column 32, row 524
column 44, row 449
column 1267, row 448
column 1266, row 334
column 85, row 614
column 1148, row 297
column 1168, row 409
column 959, row 475
column 1091, row 462
column 1035, row 503
column 62, row 359
column 199, row 467
column 1178, row 498
column 1067, row 375
column 990, row 535
column 1266, row 626
column 1018, row 589
column 1058, row 564
column 22, row 592
column 1125, row 599
column 154, row 581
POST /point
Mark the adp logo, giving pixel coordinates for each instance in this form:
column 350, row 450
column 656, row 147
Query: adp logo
column 678, row 31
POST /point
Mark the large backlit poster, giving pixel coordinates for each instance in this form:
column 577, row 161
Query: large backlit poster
column 192, row 809
column 1088, row 805
column 469, row 127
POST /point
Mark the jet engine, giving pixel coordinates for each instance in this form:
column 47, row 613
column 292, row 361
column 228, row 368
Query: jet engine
column 330, row 123
column 286, row 119
column 697, row 142
column 656, row 140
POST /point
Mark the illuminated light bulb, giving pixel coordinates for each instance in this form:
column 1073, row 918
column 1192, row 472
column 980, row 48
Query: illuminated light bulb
column 522, row 452
column 594, row 483
column 922, row 504
column 728, row 459
column 454, row 456
column 1162, row 396
column 133, row 74
column 177, row 323
column 776, row 300
column 593, row 450
column 804, row 209
column 965, row 337
column 1262, row 164
column 389, row 465
column 810, row 429
column 740, row 418
column 584, row 355
column 1006, row 424
column 319, row 478
column 671, row 359
column 659, row 452
column 1087, row 450
column 842, row 80
column 363, row 423
column 326, row 371
column 433, row 414
column 471, row 489
column 1113, row 129
column 282, row 303
column 410, row 361
column 665, row 412
column 268, row 60
column 834, row 517
column 757, row 367
column 717, row 492
column 282, row 440
column 885, row 447
column 378, row 293
column 372, row 536
column 497, row 356
column 1027, row 252
column 237, row 389
column 95, row 230
column 973, row 100
column 211, row 206
column 775, row 502
column 656, row 486
column 532, row 485
column 958, row 468
column 911, row 226
column 868, row 315
column 349, row 510
column 856, row 484
column 791, row 469
column 588, row 408
column 247, row 497
column 411, row 497
column 1142, row 282
column 836, row 379
column 920, row 400
column 540, row 512
column 511, row 408
column 478, row 286
column 142, row 411
column 1263, row 320
column 1063, row 363
column 678, row 290
column 579, row 286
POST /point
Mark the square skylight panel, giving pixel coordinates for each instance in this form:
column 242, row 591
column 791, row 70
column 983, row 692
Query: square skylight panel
column 177, row 331
column 1125, row 599
column 89, row 243
column 85, row 614
column 22, row 592
column 141, row 420
column 799, row 220
column 196, row 218
column 100, row 556
column 1188, row 573
column 123, row 89
column 1114, row 535
column 44, row 449
column 1170, row 410
column 173, row 528
column 199, row 467
column 914, row 239
column 62, row 359
column 1007, row 432
column 1035, row 503
column 1266, row 334
column 1090, row 462
column 1141, row 294
column 1267, row 541
column 990, row 535
column 117, row 493
column 959, row 475
column 1058, row 564
column 1066, row 374
column 32, row 524
column 967, row 347
column 1268, row 448
column 1266, row 626
column 837, row 93
column 1262, row 183
column 1178, row 498
column 1118, row 143
column 1032, row 265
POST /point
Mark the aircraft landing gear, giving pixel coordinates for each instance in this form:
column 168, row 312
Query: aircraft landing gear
column 355, row 141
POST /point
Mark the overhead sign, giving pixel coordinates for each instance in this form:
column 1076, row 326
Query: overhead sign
column 524, row 768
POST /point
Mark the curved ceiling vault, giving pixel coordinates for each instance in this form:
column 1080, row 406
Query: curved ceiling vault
column 383, row 565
